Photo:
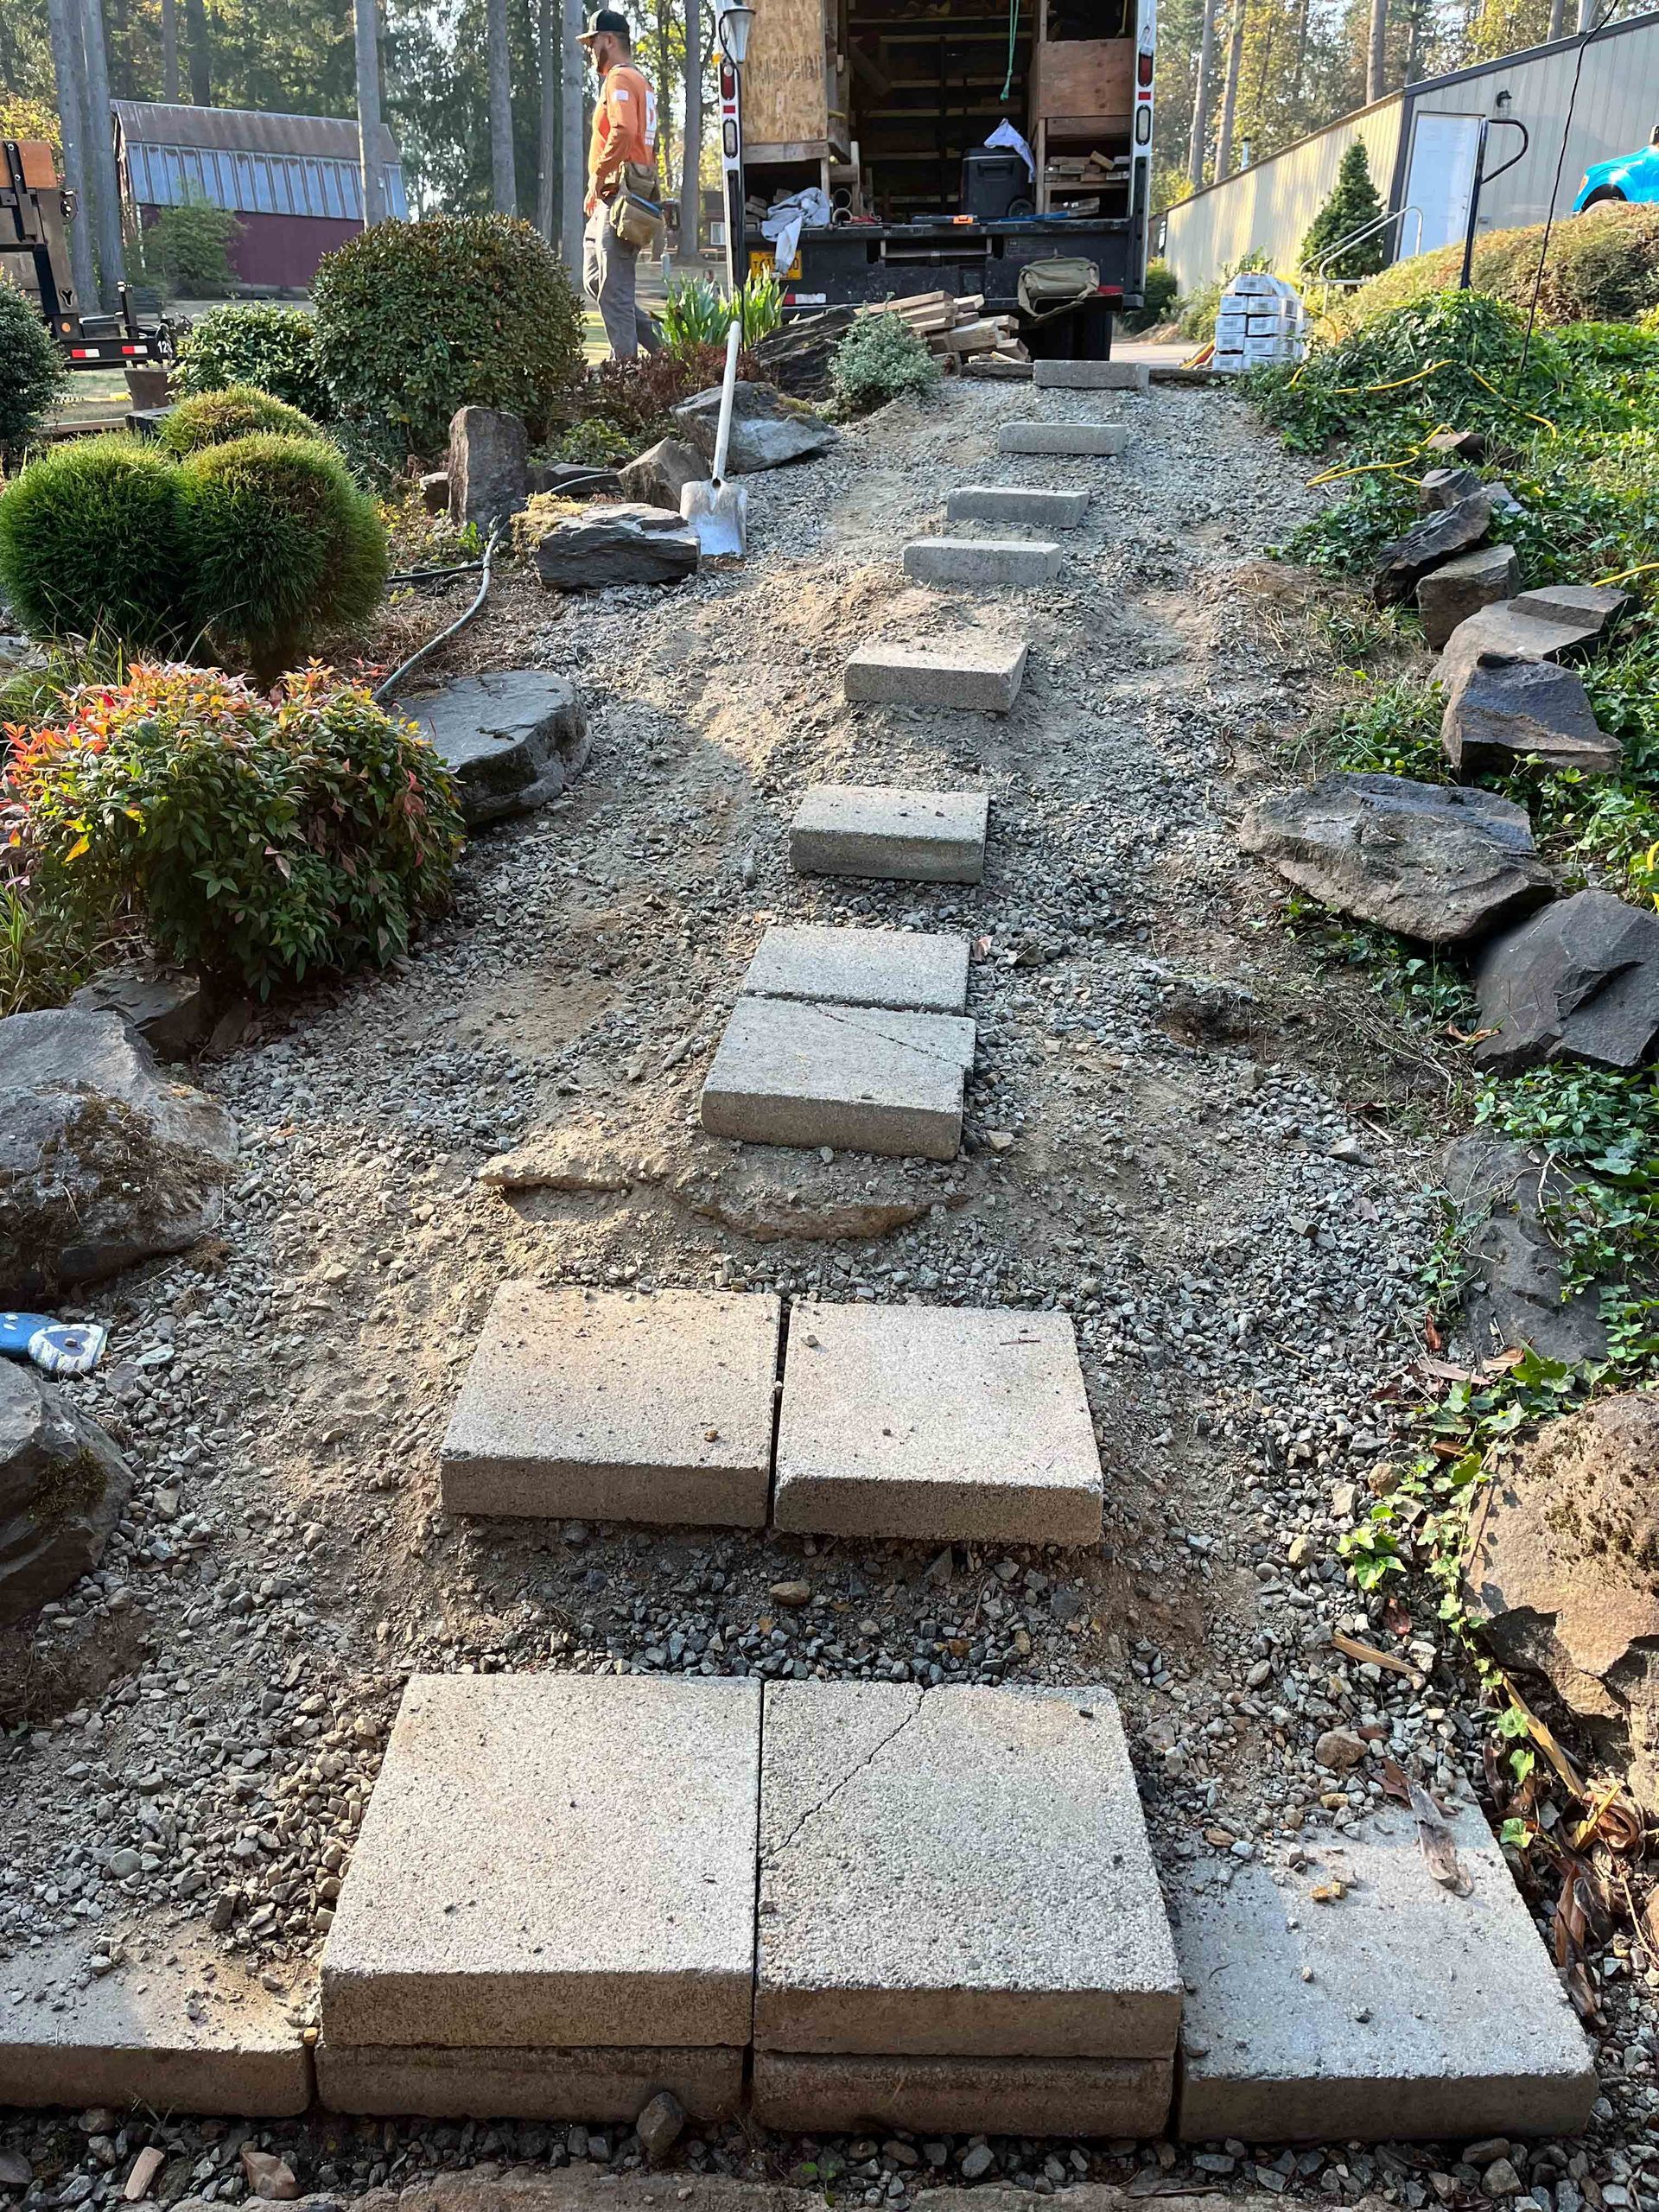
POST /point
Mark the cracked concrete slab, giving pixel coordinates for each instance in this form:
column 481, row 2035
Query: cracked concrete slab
column 856, row 1078
column 959, row 1871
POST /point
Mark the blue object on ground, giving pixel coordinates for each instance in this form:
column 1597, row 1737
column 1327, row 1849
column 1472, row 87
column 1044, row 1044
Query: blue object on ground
column 60, row 1347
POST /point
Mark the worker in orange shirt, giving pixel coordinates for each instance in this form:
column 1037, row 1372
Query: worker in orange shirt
column 622, row 189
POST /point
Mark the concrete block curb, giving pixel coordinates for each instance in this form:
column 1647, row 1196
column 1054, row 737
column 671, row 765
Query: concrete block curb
column 1014, row 563
column 891, row 834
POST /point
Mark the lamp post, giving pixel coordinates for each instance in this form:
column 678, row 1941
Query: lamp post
column 732, row 26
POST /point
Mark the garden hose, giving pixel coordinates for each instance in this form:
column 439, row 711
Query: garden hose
column 383, row 691
column 1013, row 33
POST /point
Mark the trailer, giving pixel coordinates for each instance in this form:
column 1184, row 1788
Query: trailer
column 34, row 253
column 883, row 108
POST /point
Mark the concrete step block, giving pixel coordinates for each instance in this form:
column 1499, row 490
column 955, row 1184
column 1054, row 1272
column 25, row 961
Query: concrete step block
column 553, row 1860
column 1396, row 2009
column 1016, row 504
column 921, row 970
column 614, row 2084
column 935, row 1424
column 1092, row 376
column 957, row 1872
column 184, row 2030
column 1102, row 440
column 858, row 1078
column 610, row 1406
column 1018, row 563
column 974, row 672
column 819, row 2095
column 891, row 834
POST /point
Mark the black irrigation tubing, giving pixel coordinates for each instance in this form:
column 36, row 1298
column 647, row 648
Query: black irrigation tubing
column 430, row 575
column 383, row 691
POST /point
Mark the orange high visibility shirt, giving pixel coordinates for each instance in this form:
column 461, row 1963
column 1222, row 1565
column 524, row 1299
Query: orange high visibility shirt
column 625, row 130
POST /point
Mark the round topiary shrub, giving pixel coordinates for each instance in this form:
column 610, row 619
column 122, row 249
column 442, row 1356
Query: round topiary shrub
column 95, row 543
column 260, row 840
column 285, row 547
column 213, row 418
column 415, row 319
column 272, row 348
column 32, row 371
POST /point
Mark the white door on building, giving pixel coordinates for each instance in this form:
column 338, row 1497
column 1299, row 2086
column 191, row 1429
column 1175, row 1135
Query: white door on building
column 1440, row 178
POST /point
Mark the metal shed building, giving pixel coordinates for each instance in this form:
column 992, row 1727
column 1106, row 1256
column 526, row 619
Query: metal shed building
column 291, row 181
column 1420, row 144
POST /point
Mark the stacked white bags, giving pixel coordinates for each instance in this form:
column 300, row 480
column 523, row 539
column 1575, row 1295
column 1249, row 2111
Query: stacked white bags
column 1261, row 319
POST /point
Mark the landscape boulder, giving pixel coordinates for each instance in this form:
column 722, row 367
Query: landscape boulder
column 768, row 428
column 1444, row 487
column 1450, row 594
column 1511, row 1292
column 659, row 474
column 172, row 1010
column 1439, row 537
column 629, row 544
column 1538, row 625
column 1592, row 605
column 103, row 1162
column 512, row 739
column 574, row 479
column 797, row 355
column 1562, row 1572
column 488, row 466
column 435, row 491
column 1430, row 860
column 1579, row 982
column 63, row 1486
column 1501, row 710
column 1461, row 445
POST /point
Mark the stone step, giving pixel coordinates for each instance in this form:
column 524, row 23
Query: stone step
column 1015, row 503
column 553, row 1862
column 923, row 972
column 1105, row 440
column 819, row 2094
column 614, row 2084
column 1092, row 376
column 935, row 1424
column 605, row 1405
column 891, row 834
column 957, row 1872
column 978, row 672
column 857, row 1078
column 1395, row 2009
column 1018, row 563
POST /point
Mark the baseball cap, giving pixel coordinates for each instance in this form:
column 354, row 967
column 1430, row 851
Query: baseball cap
column 607, row 19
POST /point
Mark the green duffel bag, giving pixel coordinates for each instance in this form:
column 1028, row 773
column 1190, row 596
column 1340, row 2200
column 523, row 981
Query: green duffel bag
column 1049, row 288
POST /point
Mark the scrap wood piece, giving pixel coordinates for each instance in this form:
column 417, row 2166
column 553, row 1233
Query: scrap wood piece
column 1371, row 1654
column 1435, row 1840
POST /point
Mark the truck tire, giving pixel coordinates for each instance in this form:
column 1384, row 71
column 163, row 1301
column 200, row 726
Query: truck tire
column 1603, row 196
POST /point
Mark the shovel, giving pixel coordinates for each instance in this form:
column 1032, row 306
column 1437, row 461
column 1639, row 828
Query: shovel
column 719, row 512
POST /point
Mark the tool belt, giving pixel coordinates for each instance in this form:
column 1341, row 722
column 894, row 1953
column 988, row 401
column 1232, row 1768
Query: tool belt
column 636, row 214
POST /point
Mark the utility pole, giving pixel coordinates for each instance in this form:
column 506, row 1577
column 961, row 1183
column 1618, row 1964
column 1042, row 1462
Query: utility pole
column 1197, row 146
column 100, row 150
column 1587, row 17
column 68, row 66
column 550, row 180
column 504, row 185
column 1376, row 52
column 170, row 51
column 1230, row 95
column 573, row 220
column 691, row 147
column 368, row 113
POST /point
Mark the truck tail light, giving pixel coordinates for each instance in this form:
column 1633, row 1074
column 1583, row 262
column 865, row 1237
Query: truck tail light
column 1143, row 67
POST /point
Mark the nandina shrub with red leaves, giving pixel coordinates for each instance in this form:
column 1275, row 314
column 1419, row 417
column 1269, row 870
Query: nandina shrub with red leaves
column 639, row 396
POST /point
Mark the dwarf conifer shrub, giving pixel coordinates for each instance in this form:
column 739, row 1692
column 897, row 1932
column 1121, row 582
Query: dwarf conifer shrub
column 213, row 418
column 879, row 359
column 95, row 543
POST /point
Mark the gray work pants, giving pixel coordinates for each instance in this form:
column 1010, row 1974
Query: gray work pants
column 608, row 277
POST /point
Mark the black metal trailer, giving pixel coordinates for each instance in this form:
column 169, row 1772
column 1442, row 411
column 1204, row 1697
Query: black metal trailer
column 33, row 209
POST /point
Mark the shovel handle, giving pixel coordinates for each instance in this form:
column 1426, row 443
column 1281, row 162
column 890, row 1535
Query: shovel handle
column 727, row 393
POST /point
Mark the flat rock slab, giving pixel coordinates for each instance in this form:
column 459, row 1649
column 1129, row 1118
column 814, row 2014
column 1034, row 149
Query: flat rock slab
column 1017, row 504
column 981, row 673
column 628, row 542
column 1544, row 633
column 512, row 741
column 936, row 1423
column 553, row 1860
column 891, row 834
column 922, row 970
column 608, row 1406
column 612, row 2084
column 1440, row 536
column 1018, row 563
column 1577, row 603
column 1106, row 439
column 1579, row 982
column 1398, row 2009
column 858, row 1078
column 961, row 1872
column 1092, row 376
column 1501, row 711
column 180, row 2032
column 835, row 2093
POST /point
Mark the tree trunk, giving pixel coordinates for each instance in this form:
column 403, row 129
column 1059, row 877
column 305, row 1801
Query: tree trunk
column 67, row 65
column 664, row 101
column 691, row 142
column 100, row 153
column 1198, row 145
column 1376, row 52
column 549, row 181
column 1230, row 95
column 201, row 68
column 368, row 113
column 503, row 183
column 1301, row 69
column 170, row 51
column 574, row 166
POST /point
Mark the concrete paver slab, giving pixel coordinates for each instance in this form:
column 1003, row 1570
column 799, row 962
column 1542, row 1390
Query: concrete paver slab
column 611, row 1406
column 959, row 1871
column 1019, row 563
column 936, row 1423
column 1092, row 376
column 858, row 1078
column 883, row 832
column 924, row 971
column 551, row 1860
column 978, row 672
column 1018, row 504
column 614, row 2083
column 1102, row 439
column 819, row 2094
column 1397, row 2010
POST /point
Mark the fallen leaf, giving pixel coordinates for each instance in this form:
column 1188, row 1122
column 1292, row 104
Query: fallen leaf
column 1440, row 1851
column 1431, row 1336
column 1371, row 1655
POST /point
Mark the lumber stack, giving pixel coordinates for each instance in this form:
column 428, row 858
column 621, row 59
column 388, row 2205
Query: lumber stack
column 954, row 329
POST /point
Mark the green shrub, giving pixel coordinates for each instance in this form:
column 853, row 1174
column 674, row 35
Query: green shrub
column 1197, row 318
column 213, row 418
column 32, row 371
column 272, row 348
column 285, row 547
column 415, row 319
column 1159, row 288
column 1602, row 266
column 594, row 442
column 95, row 543
column 186, row 249
column 262, row 841
column 1354, row 202
column 879, row 359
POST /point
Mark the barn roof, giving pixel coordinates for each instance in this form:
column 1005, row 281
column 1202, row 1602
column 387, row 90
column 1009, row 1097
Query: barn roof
column 249, row 162
column 244, row 129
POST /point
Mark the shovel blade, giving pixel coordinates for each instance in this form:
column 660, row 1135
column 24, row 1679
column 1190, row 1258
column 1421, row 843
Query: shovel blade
column 719, row 513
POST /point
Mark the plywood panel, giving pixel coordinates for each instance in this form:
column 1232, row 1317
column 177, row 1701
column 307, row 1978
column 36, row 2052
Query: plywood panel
column 784, row 93
column 1083, row 76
